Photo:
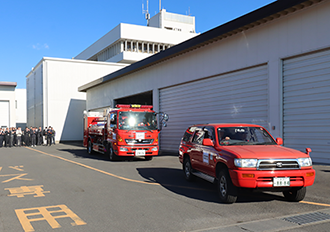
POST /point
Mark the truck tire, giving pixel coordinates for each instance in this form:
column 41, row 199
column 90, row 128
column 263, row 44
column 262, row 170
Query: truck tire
column 89, row 147
column 295, row 194
column 227, row 191
column 111, row 155
column 187, row 169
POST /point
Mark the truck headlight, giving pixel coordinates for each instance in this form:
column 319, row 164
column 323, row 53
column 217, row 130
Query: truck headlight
column 154, row 149
column 246, row 163
column 123, row 149
column 305, row 162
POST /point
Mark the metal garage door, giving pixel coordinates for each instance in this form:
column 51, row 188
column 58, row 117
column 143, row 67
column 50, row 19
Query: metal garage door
column 306, row 104
column 235, row 97
column 4, row 109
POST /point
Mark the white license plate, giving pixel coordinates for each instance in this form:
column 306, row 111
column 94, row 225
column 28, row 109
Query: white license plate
column 140, row 153
column 281, row 181
column 139, row 135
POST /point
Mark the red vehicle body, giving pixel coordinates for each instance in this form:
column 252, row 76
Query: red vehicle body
column 244, row 156
column 128, row 130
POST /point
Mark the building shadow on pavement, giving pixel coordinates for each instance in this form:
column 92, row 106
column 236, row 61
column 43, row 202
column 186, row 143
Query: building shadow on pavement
column 174, row 181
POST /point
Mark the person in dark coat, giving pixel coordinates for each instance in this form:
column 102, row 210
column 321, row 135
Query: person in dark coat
column 7, row 137
column 33, row 137
column 49, row 136
column 39, row 136
column 11, row 136
column 2, row 137
column 27, row 137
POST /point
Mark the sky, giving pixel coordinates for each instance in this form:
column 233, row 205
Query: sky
column 33, row 29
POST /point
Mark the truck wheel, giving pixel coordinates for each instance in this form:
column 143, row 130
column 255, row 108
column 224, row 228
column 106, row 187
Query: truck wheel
column 148, row 158
column 89, row 147
column 226, row 190
column 295, row 194
column 110, row 153
column 187, row 170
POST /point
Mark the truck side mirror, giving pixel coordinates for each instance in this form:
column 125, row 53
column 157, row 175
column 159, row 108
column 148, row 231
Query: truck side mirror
column 163, row 118
column 279, row 141
column 208, row 142
column 308, row 150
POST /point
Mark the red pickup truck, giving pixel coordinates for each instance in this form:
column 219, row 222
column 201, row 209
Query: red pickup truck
column 244, row 156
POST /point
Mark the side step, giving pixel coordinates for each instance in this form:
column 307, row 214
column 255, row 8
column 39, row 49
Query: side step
column 204, row 176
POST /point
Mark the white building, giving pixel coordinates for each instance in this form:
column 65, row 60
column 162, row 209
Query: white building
column 52, row 85
column 12, row 105
column 270, row 67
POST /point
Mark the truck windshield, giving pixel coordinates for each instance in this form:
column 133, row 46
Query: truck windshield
column 244, row 136
column 129, row 120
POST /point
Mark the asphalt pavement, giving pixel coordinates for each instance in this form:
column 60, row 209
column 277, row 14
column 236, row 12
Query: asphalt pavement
column 62, row 188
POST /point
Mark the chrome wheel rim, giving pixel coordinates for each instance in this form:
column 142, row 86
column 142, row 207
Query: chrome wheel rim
column 223, row 186
column 187, row 169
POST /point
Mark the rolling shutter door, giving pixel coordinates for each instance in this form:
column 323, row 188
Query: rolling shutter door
column 235, row 97
column 306, row 104
column 4, row 109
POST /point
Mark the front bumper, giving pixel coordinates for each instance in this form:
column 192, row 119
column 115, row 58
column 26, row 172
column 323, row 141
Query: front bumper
column 136, row 150
column 264, row 179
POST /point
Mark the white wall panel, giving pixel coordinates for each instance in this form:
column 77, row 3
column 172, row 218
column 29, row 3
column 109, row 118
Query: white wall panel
column 306, row 104
column 5, row 114
column 240, row 97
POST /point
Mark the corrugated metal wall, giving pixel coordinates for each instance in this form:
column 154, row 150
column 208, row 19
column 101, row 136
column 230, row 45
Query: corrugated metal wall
column 306, row 104
column 240, row 96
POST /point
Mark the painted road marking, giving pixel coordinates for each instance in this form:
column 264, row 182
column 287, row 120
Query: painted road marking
column 17, row 177
column 46, row 214
column 18, row 168
column 314, row 203
column 27, row 190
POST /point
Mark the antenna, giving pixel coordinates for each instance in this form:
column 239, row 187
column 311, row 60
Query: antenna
column 146, row 12
column 160, row 5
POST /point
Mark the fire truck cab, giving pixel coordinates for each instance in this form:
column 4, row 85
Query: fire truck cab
column 127, row 130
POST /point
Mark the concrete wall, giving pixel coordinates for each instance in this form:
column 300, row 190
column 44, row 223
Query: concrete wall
column 7, row 94
column 134, row 32
column 52, row 87
column 20, row 97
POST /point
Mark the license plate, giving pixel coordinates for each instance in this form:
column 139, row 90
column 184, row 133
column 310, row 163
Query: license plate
column 139, row 135
column 281, row 181
column 140, row 153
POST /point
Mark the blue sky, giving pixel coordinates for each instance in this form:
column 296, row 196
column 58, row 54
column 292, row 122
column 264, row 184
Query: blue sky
column 32, row 29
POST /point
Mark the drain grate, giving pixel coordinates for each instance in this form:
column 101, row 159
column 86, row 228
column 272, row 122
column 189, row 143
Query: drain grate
column 308, row 218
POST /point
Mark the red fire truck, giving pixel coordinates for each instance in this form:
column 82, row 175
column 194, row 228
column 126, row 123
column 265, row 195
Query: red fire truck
column 127, row 130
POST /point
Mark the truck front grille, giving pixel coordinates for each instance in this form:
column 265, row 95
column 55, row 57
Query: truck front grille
column 285, row 164
column 136, row 141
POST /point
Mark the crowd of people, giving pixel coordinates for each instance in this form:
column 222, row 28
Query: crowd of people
column 30, row 137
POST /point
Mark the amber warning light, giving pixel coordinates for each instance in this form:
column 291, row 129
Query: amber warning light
column 135, row 106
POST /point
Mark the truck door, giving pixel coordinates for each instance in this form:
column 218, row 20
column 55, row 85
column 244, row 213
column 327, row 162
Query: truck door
column 111, row 126
column 208, row 152
column 196, row 150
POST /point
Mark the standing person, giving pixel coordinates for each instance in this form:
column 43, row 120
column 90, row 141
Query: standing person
column 7, row 137
column 27, row 137
column 19, row 137
column 53, row 136
column 44, row 133
column 15, row 137
column 2, row 137
column 49, row 136
column 39, row 139
column 33, row 137
column 11, row 137
column 30, row 137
